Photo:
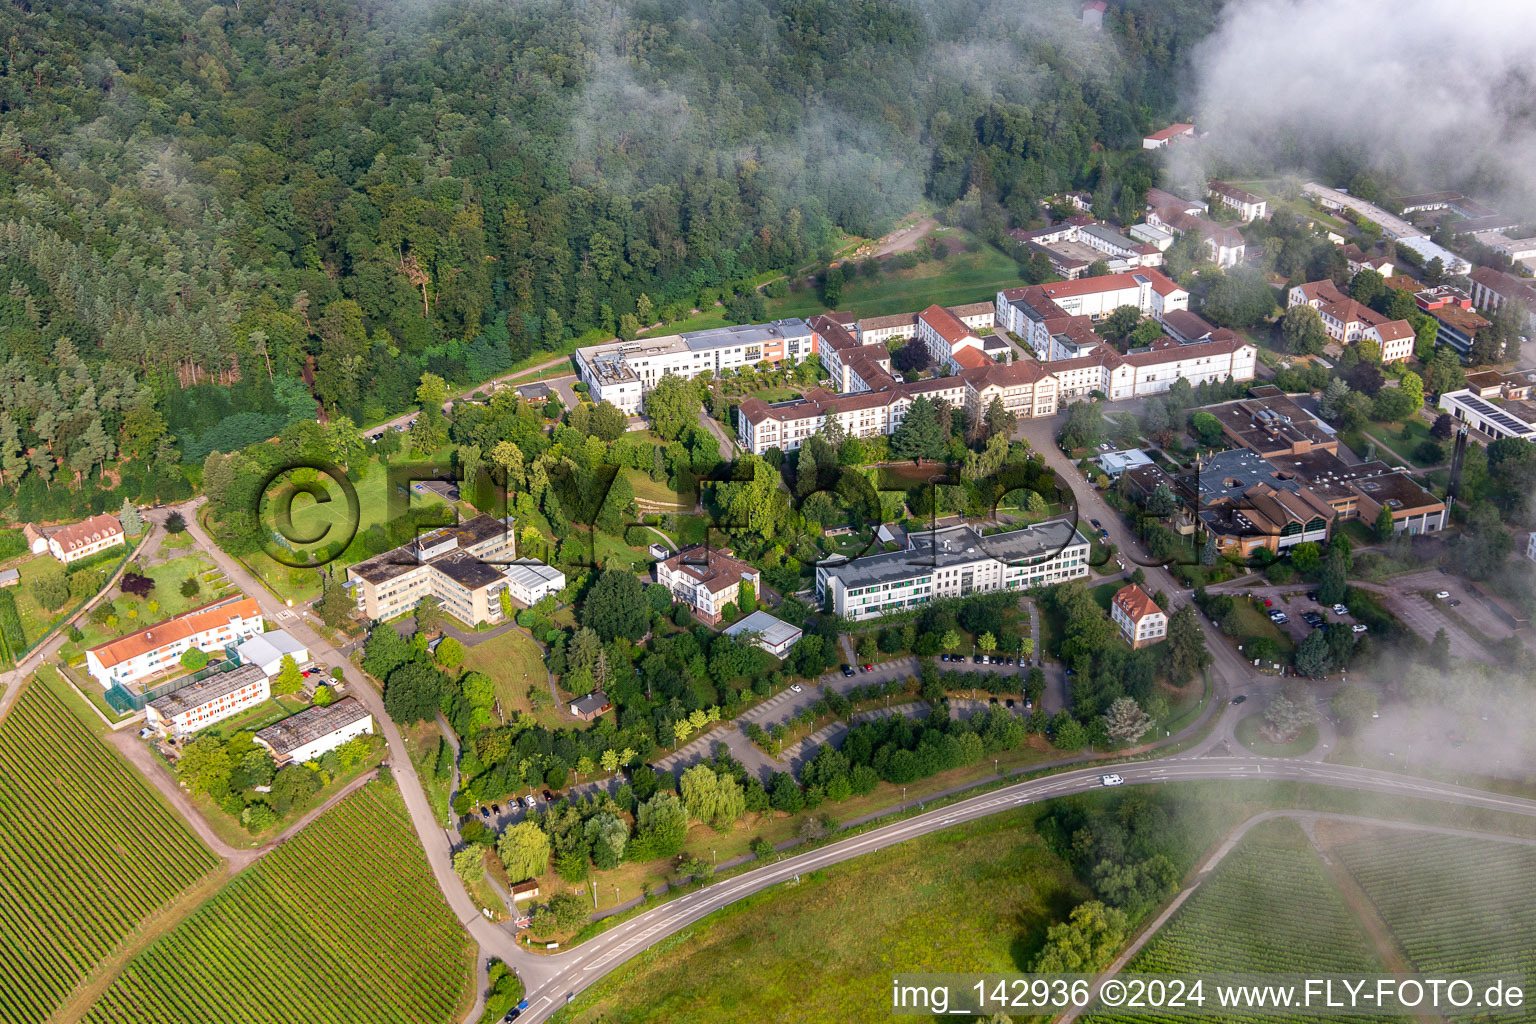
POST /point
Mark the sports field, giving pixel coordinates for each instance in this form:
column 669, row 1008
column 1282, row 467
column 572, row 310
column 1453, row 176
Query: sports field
column 89, row 854
column 342, row 924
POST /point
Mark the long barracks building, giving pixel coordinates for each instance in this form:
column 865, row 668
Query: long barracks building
column 621, row 372
column 953, row 562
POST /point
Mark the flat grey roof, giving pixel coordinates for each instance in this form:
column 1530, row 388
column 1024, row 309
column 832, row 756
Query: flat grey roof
column 772, row 629
column 530, row 573
column 744, row 334
column 204, row 690
column 311, row 724
column 1110, row 235
column 957, row 545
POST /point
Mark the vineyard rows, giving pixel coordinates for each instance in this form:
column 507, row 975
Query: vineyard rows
column 1268, row 908
column 1455, row 905
column 86, row 853
column 343, row 923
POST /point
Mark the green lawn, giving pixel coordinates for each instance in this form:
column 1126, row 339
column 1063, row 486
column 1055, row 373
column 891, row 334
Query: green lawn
column 134, row 614
column 514, row 663
column 1403, row 438
column 310, row 517
column 1253, row 620
column 962, row 277
column 649, row 489
column 1249, row 736
column 775, row 394
column 978, row 897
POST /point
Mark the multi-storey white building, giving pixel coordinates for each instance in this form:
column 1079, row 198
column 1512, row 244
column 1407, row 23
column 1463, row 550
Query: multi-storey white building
column 157, row 649
column 464, row 567
column 1150, row 291
column 621, row 372
column 1244, row 203
column 1142, row 623
column 1347, row 321
column 195, row 707
column 84, row 539
column 313, row 731
column 877, row 330
column 953, row 562
column 953, row 345
column 706, row 578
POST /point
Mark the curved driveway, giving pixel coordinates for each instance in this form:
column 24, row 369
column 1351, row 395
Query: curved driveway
column 552, row 979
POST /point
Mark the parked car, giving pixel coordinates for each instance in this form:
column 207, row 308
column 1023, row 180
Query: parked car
column 847, row 670
column 1358, row 627
column 869, row 668
column 1096, row 524
column 1442, row 595
column 1105, row 446
column 1009, row 702
column 992, row 700
column 1340, row 609
column 1028, row 704
column 1268, row 603
column 496, row 809
column 796, row 687
column 975, row 659
column 1112, row 780
column 1455, row 602
column 1239, row 698
column 943, row 657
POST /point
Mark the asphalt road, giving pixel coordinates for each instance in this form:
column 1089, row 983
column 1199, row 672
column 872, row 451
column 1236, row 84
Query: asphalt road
column 403, row 420
column 552, row 979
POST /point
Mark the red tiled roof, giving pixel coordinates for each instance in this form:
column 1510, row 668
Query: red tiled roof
column 152, row 638
column 1163, row 134
column 1109, row 282
column 945, row 323
column 1135, row 602
column 77, row 535
column 969, row 357
column 1394, row 330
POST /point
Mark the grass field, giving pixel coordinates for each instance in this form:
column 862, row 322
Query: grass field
column 1253, row 621
column 1450, row 901
column 978, row 897
column 311, row 518
column 134, row 614
column 90, row 854
column 1248, row 735
column 514, row 663
column 342, row 923
column 963, row 277
column 1269, row 907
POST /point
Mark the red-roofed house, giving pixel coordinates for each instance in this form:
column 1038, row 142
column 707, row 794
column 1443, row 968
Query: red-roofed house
column 1093, row 13
column 157, row 649
column 83, row 539
column 1142, row 623
column 1162, row 137
column 946, row 338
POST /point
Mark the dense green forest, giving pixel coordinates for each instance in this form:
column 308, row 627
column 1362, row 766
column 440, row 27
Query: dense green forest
column 213, row 215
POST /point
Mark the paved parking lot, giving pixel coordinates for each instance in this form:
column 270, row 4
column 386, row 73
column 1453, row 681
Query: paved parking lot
column 1424, row 619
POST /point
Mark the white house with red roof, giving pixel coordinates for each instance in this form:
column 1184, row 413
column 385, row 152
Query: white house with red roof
column 1164, row 136
column 1142, row 623
column 84, row 539
column 953, row 345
